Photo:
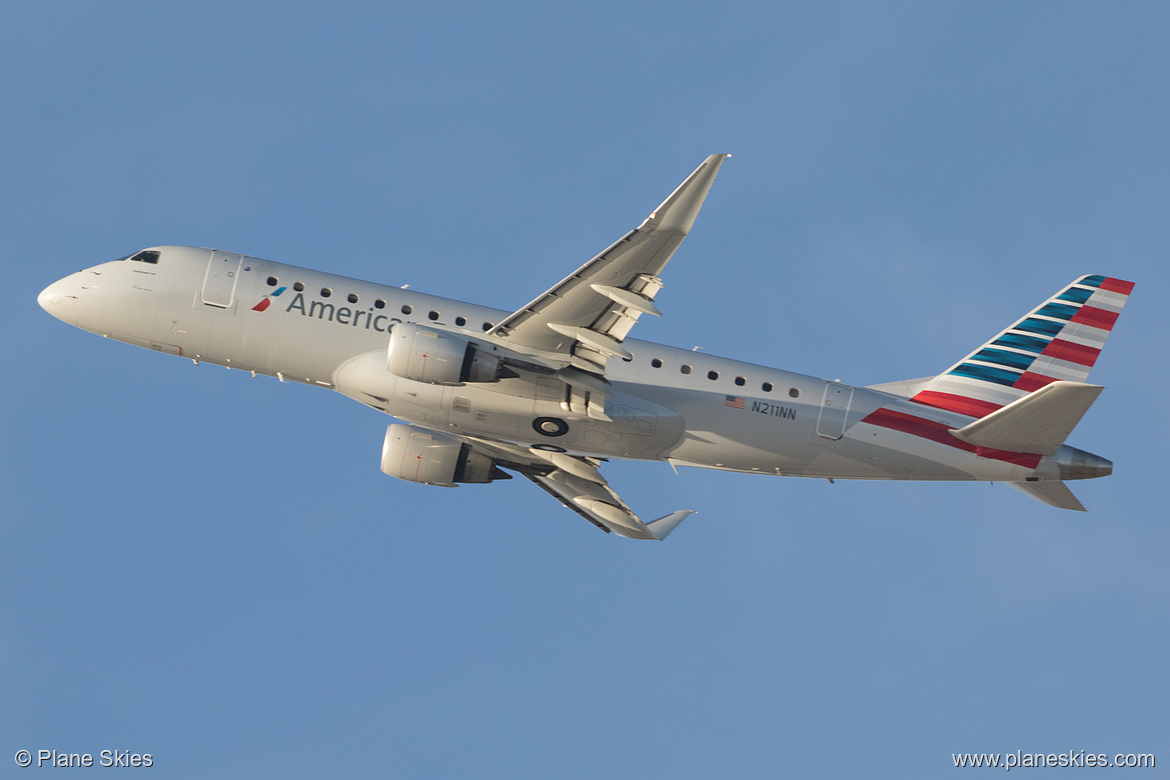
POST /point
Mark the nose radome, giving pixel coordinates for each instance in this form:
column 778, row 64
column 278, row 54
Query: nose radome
column 51, row 297
column 61, row 299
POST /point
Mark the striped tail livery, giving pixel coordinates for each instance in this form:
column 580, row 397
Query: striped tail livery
column 1027, row 386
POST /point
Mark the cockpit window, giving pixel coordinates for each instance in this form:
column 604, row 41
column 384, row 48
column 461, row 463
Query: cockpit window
column 149, row 256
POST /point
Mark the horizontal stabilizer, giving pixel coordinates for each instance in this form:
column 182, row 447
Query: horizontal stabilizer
column 1037, row 423
column 1054, row 494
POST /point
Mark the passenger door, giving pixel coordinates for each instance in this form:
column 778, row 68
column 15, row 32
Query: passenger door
column 219, row 283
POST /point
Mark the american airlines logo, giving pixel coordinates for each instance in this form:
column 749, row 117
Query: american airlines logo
column 267, row 300
column 344, row 315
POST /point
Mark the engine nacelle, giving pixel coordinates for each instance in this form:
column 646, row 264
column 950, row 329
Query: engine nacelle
column 433, row 458
column 438, row 358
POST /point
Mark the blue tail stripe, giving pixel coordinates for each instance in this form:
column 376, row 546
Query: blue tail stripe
column 1058, row 311
column 1046, row 327
column 1020, row 341
column 999, row 376
column 1004, row 358
column 1075, row 294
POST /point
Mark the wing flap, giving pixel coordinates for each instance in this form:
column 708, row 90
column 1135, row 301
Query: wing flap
column 600, row 505
column 577, row 483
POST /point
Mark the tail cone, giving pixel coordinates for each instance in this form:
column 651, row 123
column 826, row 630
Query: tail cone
column 1078, row 464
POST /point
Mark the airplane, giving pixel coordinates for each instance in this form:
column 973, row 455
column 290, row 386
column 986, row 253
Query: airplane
column 554, row 389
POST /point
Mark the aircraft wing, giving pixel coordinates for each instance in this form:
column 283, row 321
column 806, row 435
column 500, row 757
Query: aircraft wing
column 585, row 317
column 578, row 484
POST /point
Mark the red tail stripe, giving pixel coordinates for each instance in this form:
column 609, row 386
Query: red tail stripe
column 940, row 433
column 1029, row 381
column 1073, row 353
column 956, row 403
column 1094, row 317
column 1117, row 285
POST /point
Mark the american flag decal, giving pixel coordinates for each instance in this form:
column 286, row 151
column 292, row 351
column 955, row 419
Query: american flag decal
column 734, row 401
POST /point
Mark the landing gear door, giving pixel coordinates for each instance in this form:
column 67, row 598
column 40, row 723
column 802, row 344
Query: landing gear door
column 219, row 283
column 834, row 410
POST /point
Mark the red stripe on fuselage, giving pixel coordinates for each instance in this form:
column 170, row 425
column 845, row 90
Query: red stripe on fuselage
column 956, row 403
column 941, row 433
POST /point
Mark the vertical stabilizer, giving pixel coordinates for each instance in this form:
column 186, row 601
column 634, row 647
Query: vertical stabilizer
column 1059, row 340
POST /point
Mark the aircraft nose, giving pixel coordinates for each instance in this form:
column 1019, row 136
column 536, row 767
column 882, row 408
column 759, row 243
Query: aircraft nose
column 82, row 299
column 70, row 299
column 53, row 297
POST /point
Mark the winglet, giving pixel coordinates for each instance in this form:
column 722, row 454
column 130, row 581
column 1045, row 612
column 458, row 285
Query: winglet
column 677, row 213
column 662, row 527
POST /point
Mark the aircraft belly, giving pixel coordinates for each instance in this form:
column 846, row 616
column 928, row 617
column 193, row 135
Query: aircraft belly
column 741, row 434
column 509, row 411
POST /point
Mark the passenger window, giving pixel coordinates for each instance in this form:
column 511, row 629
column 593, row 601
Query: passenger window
column 712, row 375
column 352, row 298
column 407, row 309
column 487, row 326
column 766, row 387
column 656, row 363
column 460, row 321
column 272, row 281
column 434, row 315
column 379, row 304
column 299, row 287
column 685, row 368
column 326, row 292
column 794, row 392
column 740, row 381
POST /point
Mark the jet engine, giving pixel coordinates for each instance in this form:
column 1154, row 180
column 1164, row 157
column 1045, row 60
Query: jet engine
column 438, row 358
column 433, row 458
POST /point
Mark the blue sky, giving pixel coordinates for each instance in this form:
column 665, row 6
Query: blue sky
column 212, row 569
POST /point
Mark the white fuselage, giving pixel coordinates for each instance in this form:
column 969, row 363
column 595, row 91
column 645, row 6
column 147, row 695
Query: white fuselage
column 668, row 403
